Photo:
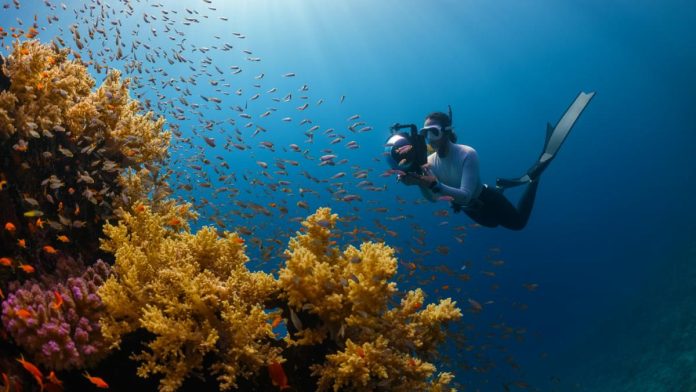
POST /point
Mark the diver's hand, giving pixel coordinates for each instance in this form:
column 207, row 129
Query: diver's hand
column 416, row 179
column 408, row 178
column 428, row 177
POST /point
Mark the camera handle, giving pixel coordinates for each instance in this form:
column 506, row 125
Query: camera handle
column 397, row 127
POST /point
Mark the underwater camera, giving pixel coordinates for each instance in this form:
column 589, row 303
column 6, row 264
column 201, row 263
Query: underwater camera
column 406, row 151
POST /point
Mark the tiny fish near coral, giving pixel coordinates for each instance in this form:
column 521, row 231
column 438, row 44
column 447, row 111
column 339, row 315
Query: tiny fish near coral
column 49, row 249
column 59, row 300
column 31, row 368
column 278, row 376
column 97, row 381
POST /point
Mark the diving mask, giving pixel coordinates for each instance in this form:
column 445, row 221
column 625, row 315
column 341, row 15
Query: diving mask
column 433, row 132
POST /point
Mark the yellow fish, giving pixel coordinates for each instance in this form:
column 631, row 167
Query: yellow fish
column 33, row 213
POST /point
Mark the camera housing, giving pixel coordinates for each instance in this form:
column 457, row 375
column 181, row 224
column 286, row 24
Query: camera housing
column 399, row 155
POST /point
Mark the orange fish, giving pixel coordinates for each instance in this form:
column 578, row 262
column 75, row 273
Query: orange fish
column 49, row 249
column 9, row 226
column 97, row 381
column 24, row 313
column 39, row 223
column 2, row 295
column 31, row 368
column 59, row 300
column 6, row 381
column 53, row 379
column 360, row 352
column 276, row 321
column 6, row 261
column 140, row 208
column 63, row 238
column 22, row 243
column 278, row 377
column 27, row 268
column 32, row 33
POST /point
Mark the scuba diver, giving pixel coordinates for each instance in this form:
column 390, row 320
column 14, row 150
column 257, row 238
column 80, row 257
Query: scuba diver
column 452, row 171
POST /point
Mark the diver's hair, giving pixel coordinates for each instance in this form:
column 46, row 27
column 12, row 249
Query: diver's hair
column 443, row 119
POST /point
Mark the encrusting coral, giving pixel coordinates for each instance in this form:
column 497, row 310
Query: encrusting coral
column 192, row 291
column 59, row 325
column 349, row 291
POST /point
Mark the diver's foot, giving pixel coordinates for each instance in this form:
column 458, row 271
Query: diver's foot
column 535, row 171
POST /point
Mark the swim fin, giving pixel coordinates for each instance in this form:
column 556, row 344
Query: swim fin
column 555, row 136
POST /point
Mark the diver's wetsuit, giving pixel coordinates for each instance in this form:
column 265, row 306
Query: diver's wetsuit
column 458, row 175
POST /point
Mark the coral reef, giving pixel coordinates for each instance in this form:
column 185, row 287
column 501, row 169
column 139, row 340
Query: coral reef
column 192, row 291
column 65, row 152
column 194, row 294
column 73, row 158
column 67, row 156
column 59, row 325
column 349, row 291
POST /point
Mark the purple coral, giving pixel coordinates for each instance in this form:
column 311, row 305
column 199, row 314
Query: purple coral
column 63, row 338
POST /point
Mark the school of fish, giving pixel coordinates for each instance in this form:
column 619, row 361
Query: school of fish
column 249, row 150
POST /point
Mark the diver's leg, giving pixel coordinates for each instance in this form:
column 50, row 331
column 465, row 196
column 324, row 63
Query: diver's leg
column 496, row 209
column 524, row 206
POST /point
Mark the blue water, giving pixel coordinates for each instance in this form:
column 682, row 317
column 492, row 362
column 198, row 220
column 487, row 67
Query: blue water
column 613, row 219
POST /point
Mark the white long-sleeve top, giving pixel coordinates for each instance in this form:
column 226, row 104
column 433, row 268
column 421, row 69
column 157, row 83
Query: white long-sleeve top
column 458, row 174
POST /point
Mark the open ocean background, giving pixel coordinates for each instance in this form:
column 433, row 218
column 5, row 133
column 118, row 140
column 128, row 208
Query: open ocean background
column 612, row 238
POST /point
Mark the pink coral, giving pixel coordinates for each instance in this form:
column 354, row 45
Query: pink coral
column 59, row 337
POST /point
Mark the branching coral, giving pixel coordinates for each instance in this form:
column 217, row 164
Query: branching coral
column 192, row 291
column 111, row 116
column 45, row 84
column 194, row 294
column 349, row 292
column 58, row 325
column 51, row 93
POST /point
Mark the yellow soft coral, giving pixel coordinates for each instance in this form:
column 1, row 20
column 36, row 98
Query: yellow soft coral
column 45, row 83
column 51, row 93
column 192, row 291
column 349, row 292
column 370, row 366
column 109, row 113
